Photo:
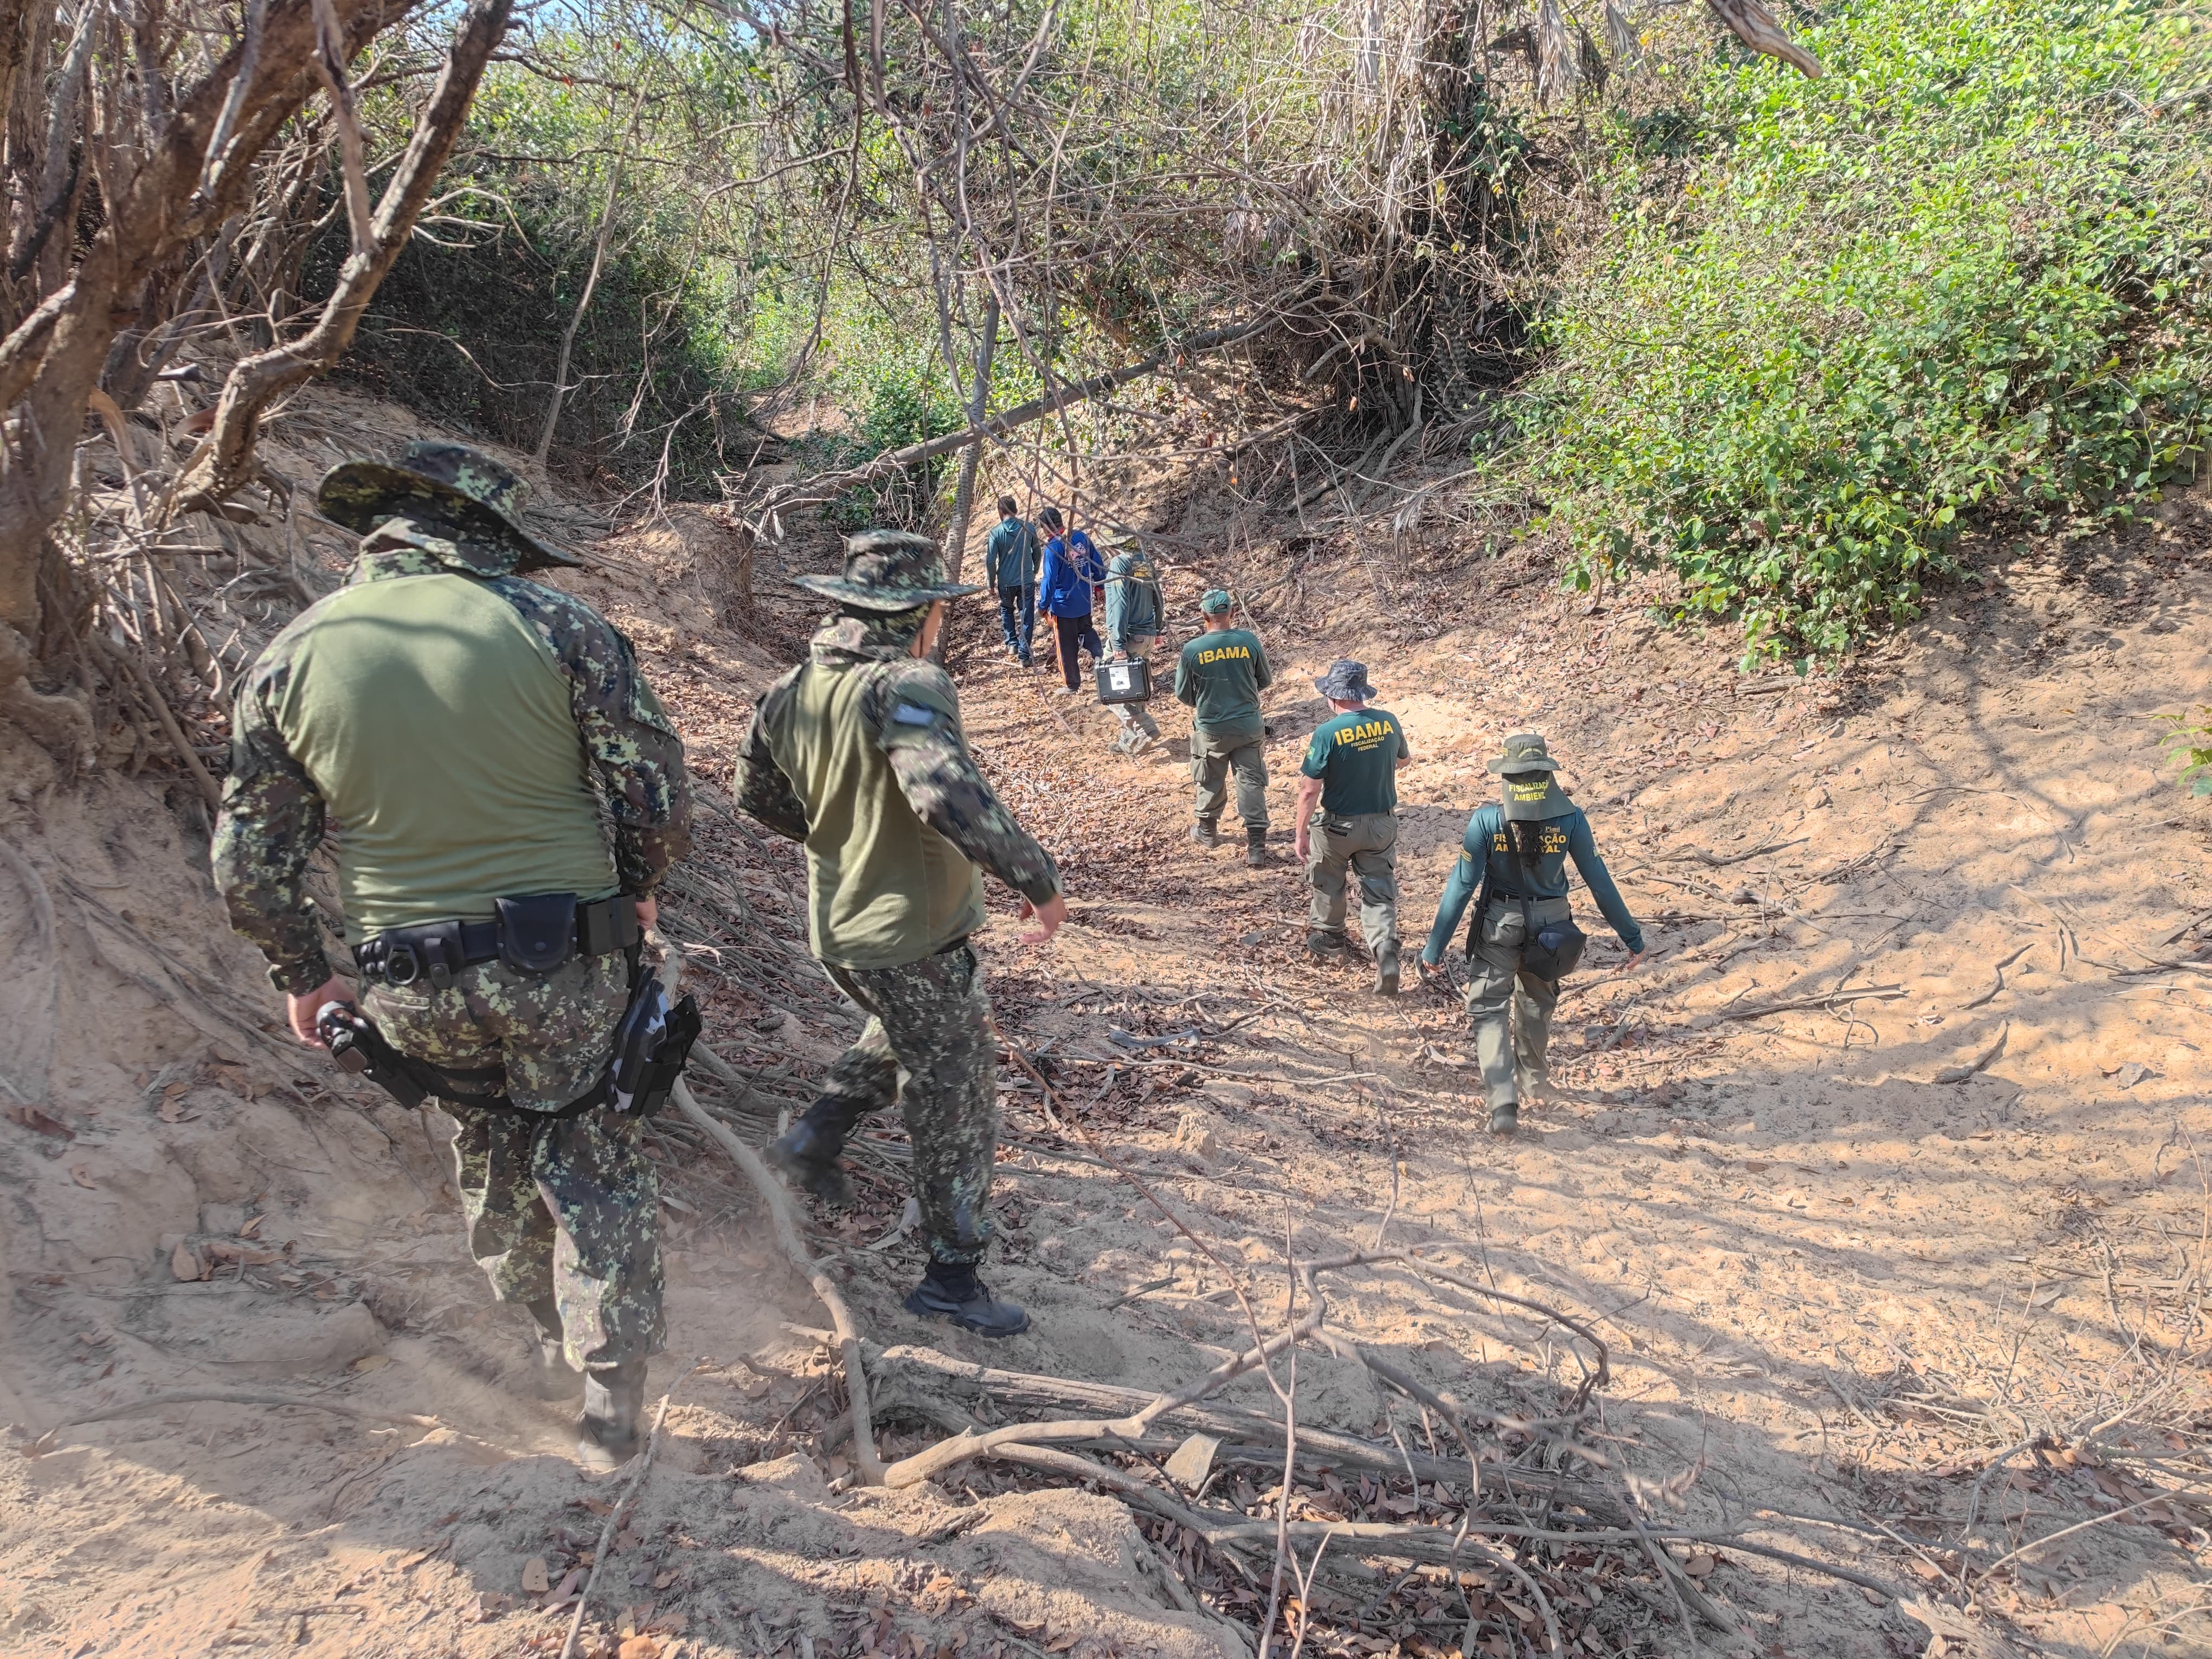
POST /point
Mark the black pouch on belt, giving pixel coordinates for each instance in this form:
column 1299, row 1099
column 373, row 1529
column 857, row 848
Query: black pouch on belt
column 1553, row 948
column 537, row 931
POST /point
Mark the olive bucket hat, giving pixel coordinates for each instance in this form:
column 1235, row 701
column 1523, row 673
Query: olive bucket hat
column 890, row 570
column 465, row 487
column 1525, row 752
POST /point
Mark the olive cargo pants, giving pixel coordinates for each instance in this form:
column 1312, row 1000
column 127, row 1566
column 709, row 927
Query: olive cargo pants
column 1366, row 847
column 1212, row 761
column 1508, row 1012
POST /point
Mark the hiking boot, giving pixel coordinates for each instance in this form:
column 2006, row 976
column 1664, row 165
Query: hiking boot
column 1386, row 978
column 955, row 1293
column 614, row 1400
column 1325, row 941
column 1205, row 833
column 1505, row 1120
column 1255, row 849
column 808, row 1160
column 553, row 1377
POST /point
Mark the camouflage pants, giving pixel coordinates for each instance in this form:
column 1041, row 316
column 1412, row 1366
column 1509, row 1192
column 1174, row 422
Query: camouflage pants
column 1212, row 761
column 566, row 1209
column 1508, row 1012
column 927, row 1046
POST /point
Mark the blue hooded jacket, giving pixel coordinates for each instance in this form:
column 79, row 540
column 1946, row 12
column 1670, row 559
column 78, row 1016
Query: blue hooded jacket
column 1072, row 564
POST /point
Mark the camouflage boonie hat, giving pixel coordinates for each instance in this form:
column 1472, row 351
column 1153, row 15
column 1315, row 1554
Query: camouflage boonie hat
column 466, row 487
column 889, row 570
column 1346, row 681
column 1525, row 752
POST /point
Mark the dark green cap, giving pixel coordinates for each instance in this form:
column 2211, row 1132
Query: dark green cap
column 1216, row 601
column 889, row 570
column 463, row 487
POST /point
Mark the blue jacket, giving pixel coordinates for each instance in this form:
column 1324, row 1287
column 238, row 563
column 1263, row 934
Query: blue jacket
column 1487, row 847
column 1009, row 557
column 1064, row 589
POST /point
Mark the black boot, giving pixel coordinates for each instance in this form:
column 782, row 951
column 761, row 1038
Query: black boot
column 1255, row 849
column 1206, row 833
column 1386, row 969
column 555, row 1378
column 1325, row 942
column 613, row 1401
column 1505, row 1120
column 951, row 1291
column 807, row 1153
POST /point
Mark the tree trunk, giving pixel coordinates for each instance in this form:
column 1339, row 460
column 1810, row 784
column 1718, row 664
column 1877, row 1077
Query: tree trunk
column 51, row 361
column 591, row 282
column 963, row 493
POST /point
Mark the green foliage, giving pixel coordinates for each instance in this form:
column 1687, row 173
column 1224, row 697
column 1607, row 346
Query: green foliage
column 1960, row 278
column 2190, row 743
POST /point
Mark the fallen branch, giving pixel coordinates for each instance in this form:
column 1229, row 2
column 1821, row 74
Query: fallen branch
column 1759, row 1010
column 1997, row 985
column 932, row 1384
column 607, row 1532
column 787, row 1234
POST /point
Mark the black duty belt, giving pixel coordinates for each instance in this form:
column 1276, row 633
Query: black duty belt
column 534, row 934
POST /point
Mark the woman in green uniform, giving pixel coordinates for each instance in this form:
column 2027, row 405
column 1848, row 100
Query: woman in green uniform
column 1515, row 855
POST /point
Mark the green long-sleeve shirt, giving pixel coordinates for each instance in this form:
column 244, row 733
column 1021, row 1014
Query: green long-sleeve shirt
column 1488, row 845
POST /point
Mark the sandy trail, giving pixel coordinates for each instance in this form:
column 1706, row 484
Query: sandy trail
column 1836, row 1285
column 1834, row 1288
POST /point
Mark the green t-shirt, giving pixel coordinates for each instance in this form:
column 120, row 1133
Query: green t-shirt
column 1220, row 675
column 436, row 726
column 1357, row 756
column 884, row 888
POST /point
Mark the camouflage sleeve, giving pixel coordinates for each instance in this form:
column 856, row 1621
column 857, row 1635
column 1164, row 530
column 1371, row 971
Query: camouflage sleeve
column 914, row 713
column 270, row 824
column 631, row 742
column 762, row 789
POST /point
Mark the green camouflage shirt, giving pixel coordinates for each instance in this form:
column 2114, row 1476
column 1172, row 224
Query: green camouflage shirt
column 272, row 815
column 908, row 709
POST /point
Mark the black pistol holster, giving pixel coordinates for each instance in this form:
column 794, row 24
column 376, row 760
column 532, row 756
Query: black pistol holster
column 652, row 1042
column 357, row 1046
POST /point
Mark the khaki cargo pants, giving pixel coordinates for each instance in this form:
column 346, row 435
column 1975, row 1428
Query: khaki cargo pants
column 1508, row 1012
column 1363, row 845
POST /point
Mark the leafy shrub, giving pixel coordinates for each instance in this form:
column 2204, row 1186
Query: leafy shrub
column 2189, row 742
column 1964, row 275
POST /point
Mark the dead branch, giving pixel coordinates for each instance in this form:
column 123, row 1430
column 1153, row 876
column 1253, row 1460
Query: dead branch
column 224, row 462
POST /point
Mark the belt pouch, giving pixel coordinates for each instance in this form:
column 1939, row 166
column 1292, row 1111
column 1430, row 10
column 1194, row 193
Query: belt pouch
column 407, row 956
column 537, row 931
column 605, row 925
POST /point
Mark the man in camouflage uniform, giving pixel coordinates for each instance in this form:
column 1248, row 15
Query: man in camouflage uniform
column 858, row 752
column 469, row 729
